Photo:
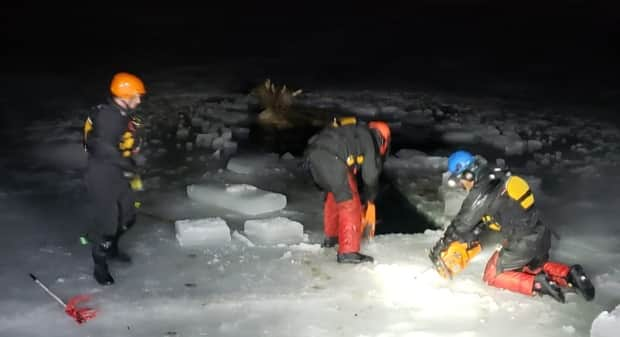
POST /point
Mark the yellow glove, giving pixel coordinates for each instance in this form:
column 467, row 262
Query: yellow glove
column 136, row 183
column 369, row 221
column 453, row 259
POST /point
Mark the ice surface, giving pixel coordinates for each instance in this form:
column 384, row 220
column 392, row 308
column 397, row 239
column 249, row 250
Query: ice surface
column 274, row 231
column 253, row 163
column 300, row 290
column 607, row 324
column 207, row 232
column 242, row 198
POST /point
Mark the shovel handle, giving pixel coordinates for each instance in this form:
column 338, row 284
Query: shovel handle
column 49, row 292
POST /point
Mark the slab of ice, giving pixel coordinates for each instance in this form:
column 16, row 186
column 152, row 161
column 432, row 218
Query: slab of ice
column 460, row 137
column 207, row 232
column 606, row 324
column 226, row 133
column 242, row 198
column 205, row 140
column 252, row 163
column 197, row 122
column 515, row 148
column 288, row 156
column 413, row 159
column 534, row 145
column 182, row 133
column 274, row 231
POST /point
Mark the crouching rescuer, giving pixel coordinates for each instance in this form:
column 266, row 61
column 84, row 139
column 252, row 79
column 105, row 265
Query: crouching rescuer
column 501, row 202
column 111, row 141
column 336, row 156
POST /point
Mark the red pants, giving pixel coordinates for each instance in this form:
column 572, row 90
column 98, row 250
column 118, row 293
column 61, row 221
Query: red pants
column 343, row 219
column 522, row 280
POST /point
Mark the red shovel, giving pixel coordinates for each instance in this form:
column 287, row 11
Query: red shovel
column 80, row 315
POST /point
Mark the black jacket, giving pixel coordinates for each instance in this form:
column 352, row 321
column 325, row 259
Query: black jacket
column 489, row 206
column 109, row 123
column 352, row 141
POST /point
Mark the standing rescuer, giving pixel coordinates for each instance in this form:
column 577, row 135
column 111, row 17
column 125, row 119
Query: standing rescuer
column 111, row 176
column 335, row 156
column 502, row 202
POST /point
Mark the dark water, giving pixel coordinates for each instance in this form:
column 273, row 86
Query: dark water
column 396, row 215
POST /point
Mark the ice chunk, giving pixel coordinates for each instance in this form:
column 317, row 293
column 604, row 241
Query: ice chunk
column 534, row 145
column 362, row 109
column 413, row 160
column 218, row 143
column 242, row 198
column 288, row 156
column 207, row 232
column 205, row 139
column 515, row 148
column 197, row 122
column 205, row 127
column 393, row 111
column 189, row 146
column 606, row 324
column 226, row 133
column 253, row 164
column 460, row 137
column 274, row 231
column 182, row 133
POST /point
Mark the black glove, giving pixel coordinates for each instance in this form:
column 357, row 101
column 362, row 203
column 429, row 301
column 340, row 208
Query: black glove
column 452, row 234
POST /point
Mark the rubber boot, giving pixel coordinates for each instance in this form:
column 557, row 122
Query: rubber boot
column 544, row 286
column 578, row 280
column 101, row 272
column 354, row 258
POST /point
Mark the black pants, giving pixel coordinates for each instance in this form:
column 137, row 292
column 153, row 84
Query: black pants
column 330, row 173
column 111, row 200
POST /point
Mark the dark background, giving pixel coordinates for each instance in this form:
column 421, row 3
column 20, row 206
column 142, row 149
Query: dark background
column 563, row 51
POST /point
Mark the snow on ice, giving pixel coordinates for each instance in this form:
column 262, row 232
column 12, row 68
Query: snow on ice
column 241, row 198
column 607, row 324
column 274, row 231
column 208, row 232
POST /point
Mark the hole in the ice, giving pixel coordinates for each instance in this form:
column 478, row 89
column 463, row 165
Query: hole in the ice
column 395, row 214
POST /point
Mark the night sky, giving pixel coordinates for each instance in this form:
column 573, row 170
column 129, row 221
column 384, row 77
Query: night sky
column 563, row 48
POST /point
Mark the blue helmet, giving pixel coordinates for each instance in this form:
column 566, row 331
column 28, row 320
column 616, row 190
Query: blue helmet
column 460, row 161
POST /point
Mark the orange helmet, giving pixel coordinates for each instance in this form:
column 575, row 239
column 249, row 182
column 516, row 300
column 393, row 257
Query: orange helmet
column 383, row 130
column 126, row 85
